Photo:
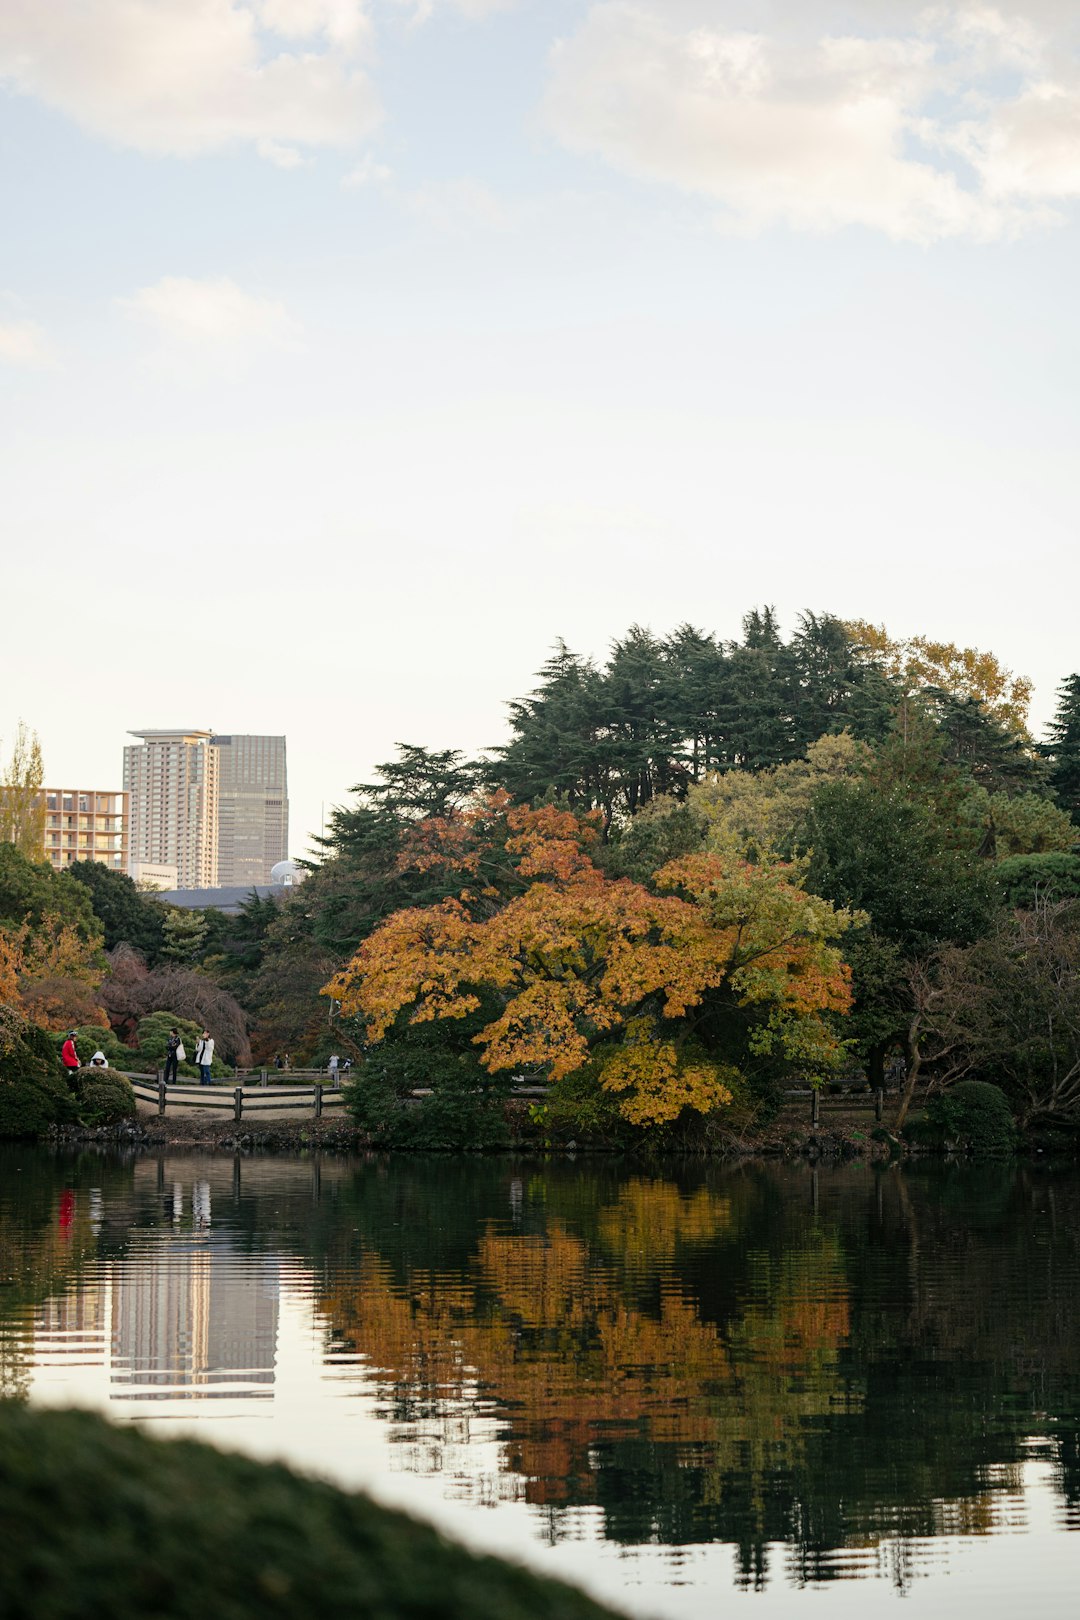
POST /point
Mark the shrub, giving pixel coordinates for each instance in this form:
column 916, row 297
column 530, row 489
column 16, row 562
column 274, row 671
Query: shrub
column 33, row 1095
column 102, row 1520
column 1024, row 880
column 464, row 1110
column 91, row 1038
column 103, row 1096
column 153, row 1032
column 973, row 1115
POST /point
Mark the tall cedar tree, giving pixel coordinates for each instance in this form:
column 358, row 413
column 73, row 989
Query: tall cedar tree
column 1062, row 747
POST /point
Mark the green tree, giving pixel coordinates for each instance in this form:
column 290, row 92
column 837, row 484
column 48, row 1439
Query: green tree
column 1025, row 879
column 31, row 891
column 1062, row 747
column 183, row 935
column 22, row 796
column 127, row 916
column 891, row 858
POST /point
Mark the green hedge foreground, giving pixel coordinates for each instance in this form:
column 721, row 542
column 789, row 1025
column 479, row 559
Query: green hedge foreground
column 97, row 1521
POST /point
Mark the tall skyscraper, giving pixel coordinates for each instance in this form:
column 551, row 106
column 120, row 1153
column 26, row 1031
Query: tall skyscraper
column 253, row 807
column 171, row 778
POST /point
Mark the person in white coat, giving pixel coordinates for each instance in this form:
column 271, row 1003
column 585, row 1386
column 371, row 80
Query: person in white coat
column 204, row 1056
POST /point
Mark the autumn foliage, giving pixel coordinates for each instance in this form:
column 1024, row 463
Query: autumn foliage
column 561, row 966
column 51, row 972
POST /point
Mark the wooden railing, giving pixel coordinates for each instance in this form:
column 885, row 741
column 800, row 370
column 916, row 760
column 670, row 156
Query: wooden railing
column 315, row 1099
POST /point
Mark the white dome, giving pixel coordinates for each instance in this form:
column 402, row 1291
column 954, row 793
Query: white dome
column 285, row 873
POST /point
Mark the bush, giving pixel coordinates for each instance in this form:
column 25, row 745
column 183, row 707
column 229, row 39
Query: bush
column 465, row 1109
column 973, row 1115
column 1024, row 880
column 33, row 1094
column 153, row 1032
column 102, row 1520
column 103, row 1096
column 91, row 1038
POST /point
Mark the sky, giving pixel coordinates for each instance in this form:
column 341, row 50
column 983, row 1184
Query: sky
column 354, row 351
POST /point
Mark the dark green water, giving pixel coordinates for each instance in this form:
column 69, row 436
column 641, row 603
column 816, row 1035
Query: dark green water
column 775, row 1385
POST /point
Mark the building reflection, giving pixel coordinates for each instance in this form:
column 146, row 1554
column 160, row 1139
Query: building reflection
column 187, row 1313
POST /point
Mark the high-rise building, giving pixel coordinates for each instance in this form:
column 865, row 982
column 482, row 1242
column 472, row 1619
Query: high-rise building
column 253, row 807
column 86, row 824
column 171, row 778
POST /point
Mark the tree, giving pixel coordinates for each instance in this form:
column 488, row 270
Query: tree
column 30, row 891
column 22, row 796
column 132, row 992
column 1023, row 880
column 918, row 665
column 1010, row 1005
column 183, row 935
column 560, row 739
column 890, row 857
column 1062, row 747
column 50, row 971
column 127, row 916
column 576, row 967
column 759, row 813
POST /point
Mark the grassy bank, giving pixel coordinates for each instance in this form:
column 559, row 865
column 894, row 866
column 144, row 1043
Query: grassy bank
column 97, row 1521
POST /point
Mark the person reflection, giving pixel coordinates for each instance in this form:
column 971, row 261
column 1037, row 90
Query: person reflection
column 200, row 1204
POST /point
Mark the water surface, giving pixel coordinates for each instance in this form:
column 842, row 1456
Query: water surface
column 775, row 1385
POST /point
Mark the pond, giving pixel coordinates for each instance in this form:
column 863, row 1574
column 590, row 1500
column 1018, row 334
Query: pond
column 681, row 1388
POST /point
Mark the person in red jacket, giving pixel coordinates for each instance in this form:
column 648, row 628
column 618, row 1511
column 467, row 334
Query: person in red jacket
column 69, row 1057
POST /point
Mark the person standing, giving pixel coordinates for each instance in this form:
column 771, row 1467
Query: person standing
column 173, row 1049
column 204, row 1056
column 69, row 1057
column 332, row 1068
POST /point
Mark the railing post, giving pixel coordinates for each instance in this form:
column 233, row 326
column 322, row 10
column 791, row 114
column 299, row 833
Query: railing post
column 815, row 1105
column 238, row 1101
column 318, row 1102
column 879, row 1103
column 262, row 1077
column 161, row 1097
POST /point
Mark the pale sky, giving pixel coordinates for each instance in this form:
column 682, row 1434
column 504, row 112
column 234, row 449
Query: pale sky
column 351, row 351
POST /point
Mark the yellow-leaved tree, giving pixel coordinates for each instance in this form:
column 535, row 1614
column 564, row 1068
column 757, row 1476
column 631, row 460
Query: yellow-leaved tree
column 673, row 990
column 964, row 672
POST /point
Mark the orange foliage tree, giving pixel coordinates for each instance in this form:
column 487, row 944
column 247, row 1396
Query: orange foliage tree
column 51, row 972
column 564, row 967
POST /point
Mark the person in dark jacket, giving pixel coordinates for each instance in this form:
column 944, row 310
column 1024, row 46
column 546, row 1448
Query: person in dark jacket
column 69, row 1057
column 172, row 1049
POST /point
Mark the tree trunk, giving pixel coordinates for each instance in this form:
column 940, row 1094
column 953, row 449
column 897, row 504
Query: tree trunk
column 914, row 1062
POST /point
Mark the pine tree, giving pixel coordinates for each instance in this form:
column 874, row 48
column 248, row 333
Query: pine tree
column 1062, row 747
column 184, row 935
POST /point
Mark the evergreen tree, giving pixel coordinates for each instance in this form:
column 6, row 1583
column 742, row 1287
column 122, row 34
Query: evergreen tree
column 1062, row 747
column 561, row 738
column 126, row 916
column 754, row 710
column 183, row 935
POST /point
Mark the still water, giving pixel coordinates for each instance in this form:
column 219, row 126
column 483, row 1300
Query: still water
column 774, row 1386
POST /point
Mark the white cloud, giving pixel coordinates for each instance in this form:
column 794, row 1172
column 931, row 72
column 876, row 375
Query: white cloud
column 23, row 343
column 923, row 123
column 423, row 10
column 459, row 207
column 368, row 172
column 210, row 322
column 190, row 76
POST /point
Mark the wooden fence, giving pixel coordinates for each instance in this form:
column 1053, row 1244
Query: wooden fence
column 261, row 1098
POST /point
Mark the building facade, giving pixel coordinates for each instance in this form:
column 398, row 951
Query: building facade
column 171, row 778
column 253, row 808
column 86, row 824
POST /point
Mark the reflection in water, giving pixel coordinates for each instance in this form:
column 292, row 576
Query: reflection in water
column 833, row 1374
